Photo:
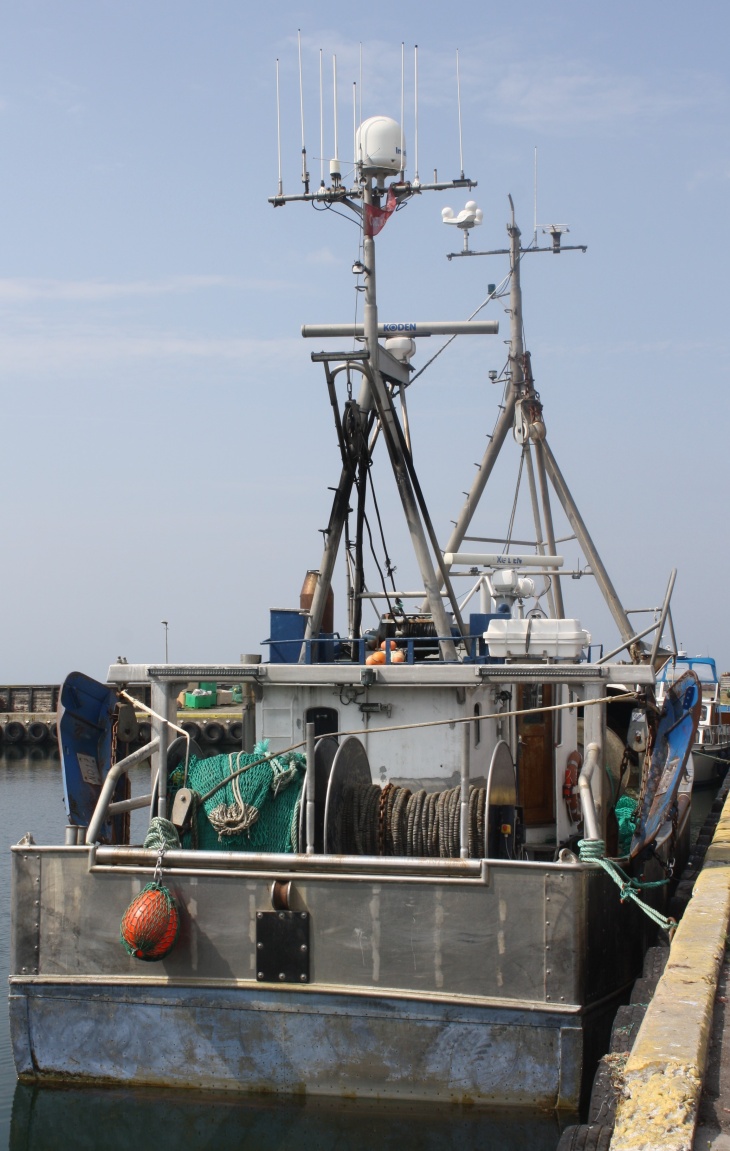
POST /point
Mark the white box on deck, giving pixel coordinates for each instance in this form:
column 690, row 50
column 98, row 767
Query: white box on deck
column 536, row 638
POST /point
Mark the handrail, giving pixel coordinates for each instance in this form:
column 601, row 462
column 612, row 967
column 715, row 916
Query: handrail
column 588, row 807
column 112, row 777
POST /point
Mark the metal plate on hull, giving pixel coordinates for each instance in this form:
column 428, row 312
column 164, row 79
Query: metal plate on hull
column 291, row 1040
column 282, row 946
column 351, row 768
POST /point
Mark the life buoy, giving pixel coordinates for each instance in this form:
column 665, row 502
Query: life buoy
column 570, row 785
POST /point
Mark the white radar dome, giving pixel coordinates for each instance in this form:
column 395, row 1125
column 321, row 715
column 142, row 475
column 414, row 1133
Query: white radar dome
column 379, row 143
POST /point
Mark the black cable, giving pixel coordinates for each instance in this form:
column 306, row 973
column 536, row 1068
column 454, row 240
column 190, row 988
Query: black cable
column 389, row 566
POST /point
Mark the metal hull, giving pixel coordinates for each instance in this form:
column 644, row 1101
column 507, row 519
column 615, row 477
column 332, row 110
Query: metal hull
column 297, row 1043
column 474, row 983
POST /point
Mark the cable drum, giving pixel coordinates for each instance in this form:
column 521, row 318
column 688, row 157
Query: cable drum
column 394, row 821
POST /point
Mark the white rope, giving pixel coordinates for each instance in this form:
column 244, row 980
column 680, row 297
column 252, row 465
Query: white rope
column 434, row 723
column 143, row 707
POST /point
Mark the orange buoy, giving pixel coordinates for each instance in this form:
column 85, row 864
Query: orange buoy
column 376, row 657
column 151, row 924
column 396, row 655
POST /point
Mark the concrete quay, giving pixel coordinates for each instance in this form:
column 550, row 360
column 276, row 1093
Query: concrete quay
column 211, row 726
column 661, row 1090
column 665, row 1083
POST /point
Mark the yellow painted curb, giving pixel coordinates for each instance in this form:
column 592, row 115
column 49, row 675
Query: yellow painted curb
column 662, row 1081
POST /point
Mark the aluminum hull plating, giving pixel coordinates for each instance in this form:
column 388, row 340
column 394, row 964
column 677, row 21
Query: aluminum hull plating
column 514, row 961
column 296, row 1043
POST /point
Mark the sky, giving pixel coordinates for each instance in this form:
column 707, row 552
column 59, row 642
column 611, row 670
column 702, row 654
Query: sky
column 167, row 445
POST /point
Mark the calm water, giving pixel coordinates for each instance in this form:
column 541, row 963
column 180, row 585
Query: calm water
column 44, row 1119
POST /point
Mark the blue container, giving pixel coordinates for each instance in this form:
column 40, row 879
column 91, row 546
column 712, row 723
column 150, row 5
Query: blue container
column 478, row 624
column 287, row 632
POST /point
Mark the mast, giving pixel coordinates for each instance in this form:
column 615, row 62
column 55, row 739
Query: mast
column 388, row 420
column 507, row 415
column 530, row 432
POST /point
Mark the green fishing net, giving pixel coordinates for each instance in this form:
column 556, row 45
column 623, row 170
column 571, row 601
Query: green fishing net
column 626, row 818
column 258, row 810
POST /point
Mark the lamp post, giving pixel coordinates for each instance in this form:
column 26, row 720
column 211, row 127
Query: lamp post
column 165, row 625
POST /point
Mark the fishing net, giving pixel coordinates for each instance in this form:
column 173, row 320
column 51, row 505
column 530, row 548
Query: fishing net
column 256, row 810
column 161, row 835
column 626, row 811
column 150, row 925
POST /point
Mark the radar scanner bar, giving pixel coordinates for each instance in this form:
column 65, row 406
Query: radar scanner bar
column 475, row 559
column 415, row 328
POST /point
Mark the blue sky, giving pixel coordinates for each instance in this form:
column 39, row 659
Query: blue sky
column 167, row 444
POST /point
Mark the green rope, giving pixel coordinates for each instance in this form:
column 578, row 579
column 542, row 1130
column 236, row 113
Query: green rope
column 626, row 816
column 594, row 851
column 161, row 833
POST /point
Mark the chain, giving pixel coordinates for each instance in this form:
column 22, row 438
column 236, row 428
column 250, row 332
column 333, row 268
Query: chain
column 157, row 877
column 673, row 841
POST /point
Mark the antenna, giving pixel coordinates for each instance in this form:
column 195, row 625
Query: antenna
column 321, row 125
column 416, row 180
column 534, row 238
column 335, row 162
column 402, row 110
column 354, row 125
column 383, row 158
column 305, row 173
column 458, row 100
column 278, row 126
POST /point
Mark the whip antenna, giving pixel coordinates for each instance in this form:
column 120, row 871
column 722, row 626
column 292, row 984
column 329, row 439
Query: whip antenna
column 305, row 173
column 321, row 125
column 534, row 238
column 458, row 101
column 415, row 111
column 354, row 125
column 278, row 126
column 335, row 162
column 402, row 111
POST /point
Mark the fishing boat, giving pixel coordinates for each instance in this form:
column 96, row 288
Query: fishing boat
column 409, row 883
column 711, row 749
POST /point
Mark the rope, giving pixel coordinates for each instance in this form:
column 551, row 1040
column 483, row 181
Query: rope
column 394, row 821
column 233, row 818
column 161, row 835
column 594, row 851
column 429, row 723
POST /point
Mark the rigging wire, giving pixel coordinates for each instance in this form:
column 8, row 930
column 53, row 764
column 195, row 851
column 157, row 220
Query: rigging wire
column 389, row 567
column 510, row 529
column 493, row 295
column 377, row 564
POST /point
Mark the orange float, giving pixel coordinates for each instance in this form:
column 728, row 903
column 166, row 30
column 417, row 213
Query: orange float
column 151, row 924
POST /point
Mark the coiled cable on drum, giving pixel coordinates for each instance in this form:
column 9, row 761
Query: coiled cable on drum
column 395, row 821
